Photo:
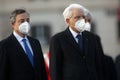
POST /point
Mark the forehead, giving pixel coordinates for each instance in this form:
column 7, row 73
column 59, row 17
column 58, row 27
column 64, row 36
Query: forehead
column 77, row 11
column 22, row 16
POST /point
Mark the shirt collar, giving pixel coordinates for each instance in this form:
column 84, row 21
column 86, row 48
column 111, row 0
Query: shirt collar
column 74, row 33
column 18, row 37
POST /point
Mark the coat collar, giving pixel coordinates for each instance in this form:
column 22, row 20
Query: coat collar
column 19, row 48
column 69, row 37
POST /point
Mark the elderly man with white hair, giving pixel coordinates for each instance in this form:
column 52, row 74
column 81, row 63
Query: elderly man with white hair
column 75, row 54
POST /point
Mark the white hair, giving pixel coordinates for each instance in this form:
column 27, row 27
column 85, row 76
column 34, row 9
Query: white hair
column 67, row 13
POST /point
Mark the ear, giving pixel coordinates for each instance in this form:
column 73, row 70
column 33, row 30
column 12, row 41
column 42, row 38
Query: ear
column 12, row 24
column 68, row 21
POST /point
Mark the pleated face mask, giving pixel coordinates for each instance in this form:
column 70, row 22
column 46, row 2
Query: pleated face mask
column 87, row 26
column 24, row 27
column 80, row 24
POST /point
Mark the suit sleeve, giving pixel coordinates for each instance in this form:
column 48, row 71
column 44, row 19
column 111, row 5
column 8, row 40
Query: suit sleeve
column 3, row 64
column 55, row 59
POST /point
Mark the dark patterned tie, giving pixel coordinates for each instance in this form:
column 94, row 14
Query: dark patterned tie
column 79, row 37
column 28, row 52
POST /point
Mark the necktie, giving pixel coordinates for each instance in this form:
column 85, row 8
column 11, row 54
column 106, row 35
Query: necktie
column 28, row 52
column 79, row 37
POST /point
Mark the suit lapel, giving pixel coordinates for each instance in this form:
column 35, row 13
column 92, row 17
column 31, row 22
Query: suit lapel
column 85, row 42
column 71, row 40
column 16, row 44
column 32, row 45
column 37, row 53
column 34, row 49
column 19, row 49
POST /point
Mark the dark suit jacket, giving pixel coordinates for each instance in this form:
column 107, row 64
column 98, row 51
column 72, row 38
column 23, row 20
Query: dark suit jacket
column 117, row 65
column 110, row 70
column 67, row 62
column 14, row 64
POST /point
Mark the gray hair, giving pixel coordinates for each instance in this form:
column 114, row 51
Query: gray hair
column 67, row 13
column 15, row 13
column 87, row 12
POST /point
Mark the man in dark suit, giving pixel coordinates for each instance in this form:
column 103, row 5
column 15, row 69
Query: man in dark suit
column 72, row 58
column 109, row 67
column 21, row 56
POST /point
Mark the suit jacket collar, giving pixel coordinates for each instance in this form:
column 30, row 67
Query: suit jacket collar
column 19, row 48
column 85, row 42
column 36, row 50
column 32, row 43
column 69, row 37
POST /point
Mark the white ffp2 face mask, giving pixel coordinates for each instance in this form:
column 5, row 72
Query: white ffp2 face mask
column 24, row 28
column 79, row 25
column 87, row 26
